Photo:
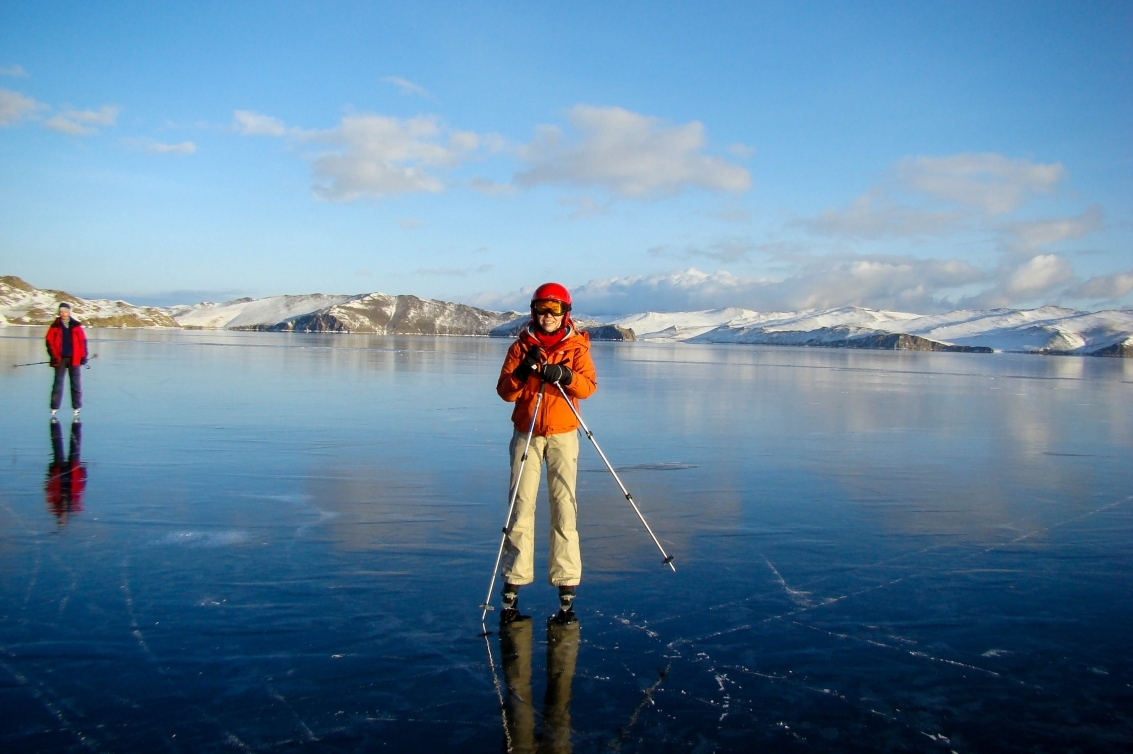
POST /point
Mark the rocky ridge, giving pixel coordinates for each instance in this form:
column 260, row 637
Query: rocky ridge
column 23, row 304
column 1046, row 330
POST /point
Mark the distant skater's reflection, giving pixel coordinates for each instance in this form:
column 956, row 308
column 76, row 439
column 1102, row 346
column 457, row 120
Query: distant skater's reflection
column 66, row 474
column 519, row 711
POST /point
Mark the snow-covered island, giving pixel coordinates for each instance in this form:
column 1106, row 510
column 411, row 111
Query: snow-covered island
column 1046, row 330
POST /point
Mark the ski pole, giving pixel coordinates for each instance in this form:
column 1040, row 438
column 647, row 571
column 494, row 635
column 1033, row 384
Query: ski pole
column 37, row 363
column 668, row 559
column 511, row 506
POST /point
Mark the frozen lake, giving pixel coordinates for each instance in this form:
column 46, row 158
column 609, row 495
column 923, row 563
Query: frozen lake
column 282, row 541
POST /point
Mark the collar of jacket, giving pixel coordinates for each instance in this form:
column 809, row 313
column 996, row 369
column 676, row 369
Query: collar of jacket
column 572, row 336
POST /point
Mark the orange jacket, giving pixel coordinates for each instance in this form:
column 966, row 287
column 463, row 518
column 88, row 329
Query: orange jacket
column 555, row 417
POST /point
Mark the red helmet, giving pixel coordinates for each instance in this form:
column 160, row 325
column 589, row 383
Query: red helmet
column 552, row 292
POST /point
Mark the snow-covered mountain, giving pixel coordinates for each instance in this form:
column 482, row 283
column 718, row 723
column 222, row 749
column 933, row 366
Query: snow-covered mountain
column 23, row 304
column 1048, row 329
column 374, row 313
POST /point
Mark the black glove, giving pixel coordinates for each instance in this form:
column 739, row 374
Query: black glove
column 84, row 361
column 530, row 364
column 557, row 373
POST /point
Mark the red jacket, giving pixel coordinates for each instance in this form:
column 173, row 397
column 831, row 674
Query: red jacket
column 55, row 342
column 64, row 488
column 555, row 417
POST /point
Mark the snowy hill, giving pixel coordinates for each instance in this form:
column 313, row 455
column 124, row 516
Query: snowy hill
column 23, row 304
column 375, row 313
column 1046, row 330
column 251, row 313
column 1049, row 329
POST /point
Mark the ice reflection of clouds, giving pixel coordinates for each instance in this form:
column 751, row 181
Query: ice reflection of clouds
column 969, row 434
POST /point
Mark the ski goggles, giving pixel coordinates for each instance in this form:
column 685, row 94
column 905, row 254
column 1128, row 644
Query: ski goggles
column 555, row 308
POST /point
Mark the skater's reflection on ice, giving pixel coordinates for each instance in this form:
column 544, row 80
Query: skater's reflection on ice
column 66, row 474
column 519, row 711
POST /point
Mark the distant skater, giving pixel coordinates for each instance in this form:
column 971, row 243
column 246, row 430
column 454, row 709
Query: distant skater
column 549, row 350
column 67, row 350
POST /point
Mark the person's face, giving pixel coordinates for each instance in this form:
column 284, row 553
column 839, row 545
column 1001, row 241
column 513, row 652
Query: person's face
column 549, row 322
column 64, row 313
column 548, row 315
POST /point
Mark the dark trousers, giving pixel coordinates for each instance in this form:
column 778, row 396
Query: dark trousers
column 76, row 375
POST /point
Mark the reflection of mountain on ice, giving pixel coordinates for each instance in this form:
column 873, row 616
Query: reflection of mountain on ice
column 1049, row 329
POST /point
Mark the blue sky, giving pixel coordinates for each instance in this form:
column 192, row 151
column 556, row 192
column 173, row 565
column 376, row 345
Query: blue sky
column 778, row 156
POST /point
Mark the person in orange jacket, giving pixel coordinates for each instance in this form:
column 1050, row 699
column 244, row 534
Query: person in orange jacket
column 549, row 351
column 67, row 352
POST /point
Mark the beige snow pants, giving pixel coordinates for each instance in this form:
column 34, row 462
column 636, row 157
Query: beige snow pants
column 564, row 562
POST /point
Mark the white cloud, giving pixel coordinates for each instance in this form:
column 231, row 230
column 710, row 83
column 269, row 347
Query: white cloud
column 1038, row 275
column 727, row 251
column 491, row 188
column 627, row 153
column 743, row 151
column 15, row 71
column 459, row 272
column 874, row 216
column 157, row 147
column 883, row 282
column 1104, row 287
column 990, row 182
column 253, row 124
column 584, row 206
column 83, row 122
column 1027, row 282
column 15, row 107
column 183, row 147
column 1039, row 233
column 408, row 87
column 375, row 155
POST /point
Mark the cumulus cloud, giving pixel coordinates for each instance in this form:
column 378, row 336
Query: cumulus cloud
column 15, row 107
column 1104, row 287
column 902, row 283
column 460, row 272
column 157, row 147
column 1038, row 274
column 1027, row 282
column 182, row 147
column 875, row 216
column 743, row 151
column 628, row 154
column 491, row 188
column 375, row 155
column 990, row 182
column 253, row 124
column 83, row 122
column 727, row 250
column 584, row 206
column 1036, row 234
column 15, row 71
column 408, row 87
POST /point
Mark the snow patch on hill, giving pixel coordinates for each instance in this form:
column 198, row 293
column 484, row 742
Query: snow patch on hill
column 251, row 313
column 23, row 304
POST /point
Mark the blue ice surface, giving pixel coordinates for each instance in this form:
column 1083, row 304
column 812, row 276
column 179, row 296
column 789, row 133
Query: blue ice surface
column 283, row 541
